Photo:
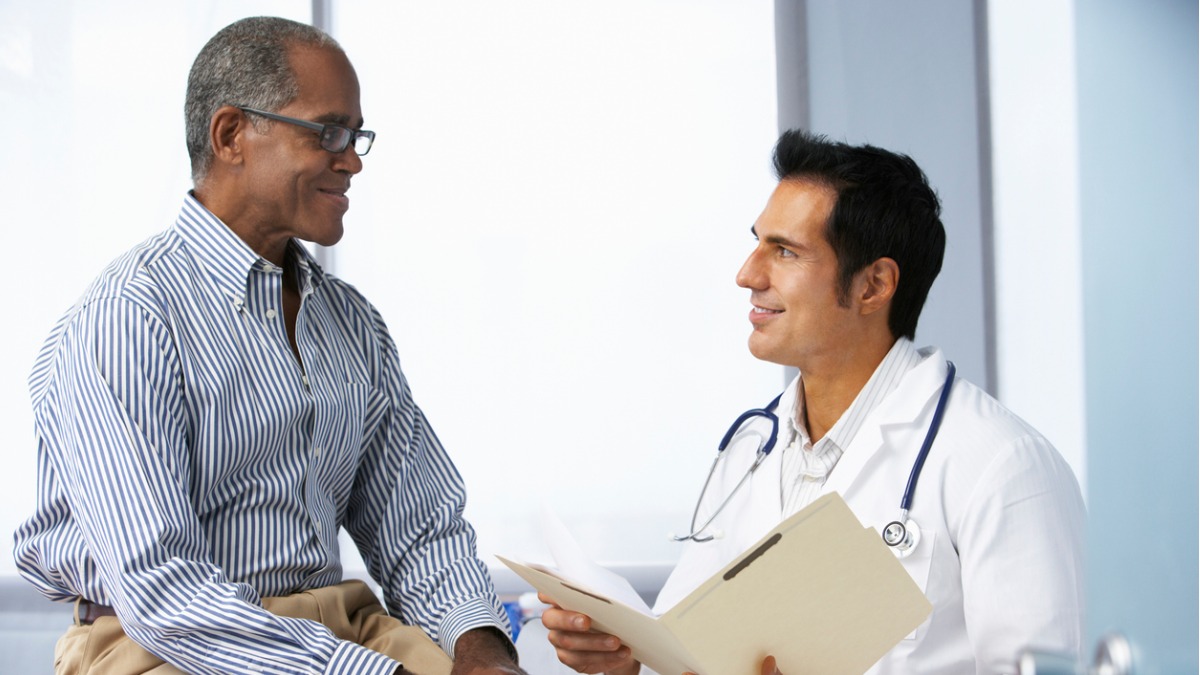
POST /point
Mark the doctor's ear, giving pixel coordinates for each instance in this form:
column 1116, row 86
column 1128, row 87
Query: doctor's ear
column 875, row 285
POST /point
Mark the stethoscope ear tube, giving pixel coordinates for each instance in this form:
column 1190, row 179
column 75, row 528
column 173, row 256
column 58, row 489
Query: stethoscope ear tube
column 763, row 450
column 934, row 425
column 767, row 412
column 695, row 535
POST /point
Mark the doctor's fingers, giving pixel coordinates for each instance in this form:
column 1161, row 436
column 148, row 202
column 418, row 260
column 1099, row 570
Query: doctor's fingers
column 572, row 630
column 619, row 662
column 769, row 667
column 556, row 618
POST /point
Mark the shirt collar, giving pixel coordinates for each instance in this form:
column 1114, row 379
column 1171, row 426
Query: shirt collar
column 228, row 259
column 901, row 358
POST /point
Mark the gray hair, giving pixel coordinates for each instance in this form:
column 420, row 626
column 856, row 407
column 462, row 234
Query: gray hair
column 244, row 64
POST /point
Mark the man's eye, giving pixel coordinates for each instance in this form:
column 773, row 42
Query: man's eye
column 786, row 253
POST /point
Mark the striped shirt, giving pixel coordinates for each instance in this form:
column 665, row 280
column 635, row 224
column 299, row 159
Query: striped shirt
column 806, row 465
column 189, row 464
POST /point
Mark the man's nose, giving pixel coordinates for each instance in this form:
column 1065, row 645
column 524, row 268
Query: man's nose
column 751, row 274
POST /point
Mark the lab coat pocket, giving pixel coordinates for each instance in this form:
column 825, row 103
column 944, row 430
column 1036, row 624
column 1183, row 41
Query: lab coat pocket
column 917, row 565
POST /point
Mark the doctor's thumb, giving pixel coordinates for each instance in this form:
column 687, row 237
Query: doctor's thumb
column 769, row 667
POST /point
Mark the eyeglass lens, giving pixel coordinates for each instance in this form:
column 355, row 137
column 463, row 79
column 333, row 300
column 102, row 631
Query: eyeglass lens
column 337, row 138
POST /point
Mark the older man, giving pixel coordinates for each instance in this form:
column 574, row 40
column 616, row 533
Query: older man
column 216, row 407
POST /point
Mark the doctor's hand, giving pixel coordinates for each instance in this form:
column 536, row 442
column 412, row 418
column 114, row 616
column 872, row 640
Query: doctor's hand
column 581, row 648
column 768, row 667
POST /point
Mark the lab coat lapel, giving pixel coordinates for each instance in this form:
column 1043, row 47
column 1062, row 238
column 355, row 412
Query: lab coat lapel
column 902, row 408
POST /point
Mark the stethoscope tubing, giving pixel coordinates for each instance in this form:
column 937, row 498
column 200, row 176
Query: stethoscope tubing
column 936, row 423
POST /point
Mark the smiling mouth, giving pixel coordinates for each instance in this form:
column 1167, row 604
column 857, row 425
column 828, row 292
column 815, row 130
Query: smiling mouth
column 765, row 311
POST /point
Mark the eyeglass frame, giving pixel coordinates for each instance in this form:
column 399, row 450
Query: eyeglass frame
column 322, row 129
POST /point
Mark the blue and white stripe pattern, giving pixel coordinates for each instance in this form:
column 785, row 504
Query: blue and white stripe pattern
column 189, row 465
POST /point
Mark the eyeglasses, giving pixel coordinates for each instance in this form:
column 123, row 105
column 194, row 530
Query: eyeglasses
column 334, row 137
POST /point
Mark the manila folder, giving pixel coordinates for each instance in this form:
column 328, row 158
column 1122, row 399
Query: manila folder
column 819, row 592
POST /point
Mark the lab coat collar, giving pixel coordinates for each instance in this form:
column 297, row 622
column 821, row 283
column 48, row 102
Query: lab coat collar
column 904, row 407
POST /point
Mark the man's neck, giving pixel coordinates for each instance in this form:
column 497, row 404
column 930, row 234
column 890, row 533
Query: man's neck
column 829, row 388
column 231, row 209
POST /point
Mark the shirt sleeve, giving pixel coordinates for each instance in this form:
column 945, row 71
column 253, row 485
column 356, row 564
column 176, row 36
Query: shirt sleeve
column 114, row 426
column 1021, row 548
column 406, row 515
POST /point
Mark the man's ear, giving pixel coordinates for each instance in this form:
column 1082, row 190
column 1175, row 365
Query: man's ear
column 877, row 285
column 226, row 131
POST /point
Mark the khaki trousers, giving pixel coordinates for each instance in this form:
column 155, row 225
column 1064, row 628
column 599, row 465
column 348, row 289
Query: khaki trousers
column 349, row 609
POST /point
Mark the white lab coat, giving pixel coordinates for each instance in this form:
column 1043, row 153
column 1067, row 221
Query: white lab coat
column 1001, row 518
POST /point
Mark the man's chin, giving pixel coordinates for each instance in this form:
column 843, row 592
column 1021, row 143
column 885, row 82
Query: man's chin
column 329, row 237
column 767, row 353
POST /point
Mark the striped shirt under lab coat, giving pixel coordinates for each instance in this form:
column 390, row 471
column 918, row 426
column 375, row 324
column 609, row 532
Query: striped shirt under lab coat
column 188, row 464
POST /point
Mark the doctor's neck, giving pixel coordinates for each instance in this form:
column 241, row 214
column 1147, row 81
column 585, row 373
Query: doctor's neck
column 827, row 389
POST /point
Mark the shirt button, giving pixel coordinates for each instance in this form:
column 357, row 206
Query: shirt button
column 317, row 452
column 318, row 526
column 270, row 314
column 305, row 378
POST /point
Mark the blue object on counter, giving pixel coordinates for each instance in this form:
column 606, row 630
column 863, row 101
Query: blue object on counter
column 513, row 610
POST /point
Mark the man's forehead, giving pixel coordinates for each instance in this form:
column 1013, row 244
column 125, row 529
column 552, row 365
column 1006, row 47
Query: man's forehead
column 796, row 206
column 328, row 85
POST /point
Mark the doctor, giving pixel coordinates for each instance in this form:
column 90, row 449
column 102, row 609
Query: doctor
column 847, row 249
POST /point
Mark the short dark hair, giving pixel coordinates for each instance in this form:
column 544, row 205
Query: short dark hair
column 244, row 64
column 885, row 208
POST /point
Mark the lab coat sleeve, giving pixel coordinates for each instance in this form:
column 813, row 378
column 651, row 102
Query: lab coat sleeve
column 1021, row 545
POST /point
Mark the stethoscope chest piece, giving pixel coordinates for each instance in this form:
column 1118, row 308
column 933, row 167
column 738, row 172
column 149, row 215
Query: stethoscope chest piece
column 902, row 537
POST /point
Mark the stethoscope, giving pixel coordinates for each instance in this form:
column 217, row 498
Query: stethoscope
column 901, row 535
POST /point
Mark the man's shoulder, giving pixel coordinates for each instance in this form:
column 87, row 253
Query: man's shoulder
column 971, row 409
column 132, row 275
column 985, row 441
column 979, row 412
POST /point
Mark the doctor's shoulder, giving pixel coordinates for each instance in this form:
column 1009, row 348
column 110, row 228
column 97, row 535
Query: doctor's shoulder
column 992, row 456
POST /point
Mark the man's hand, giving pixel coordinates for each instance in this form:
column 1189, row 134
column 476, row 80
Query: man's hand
column 583, row 649
column 483, row 651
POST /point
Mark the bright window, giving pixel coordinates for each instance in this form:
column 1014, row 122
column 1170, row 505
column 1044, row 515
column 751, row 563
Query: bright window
column 551, row 220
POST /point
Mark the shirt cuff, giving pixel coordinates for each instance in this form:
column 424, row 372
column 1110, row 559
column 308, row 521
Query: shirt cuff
column 471, row 614
column 352, row 659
